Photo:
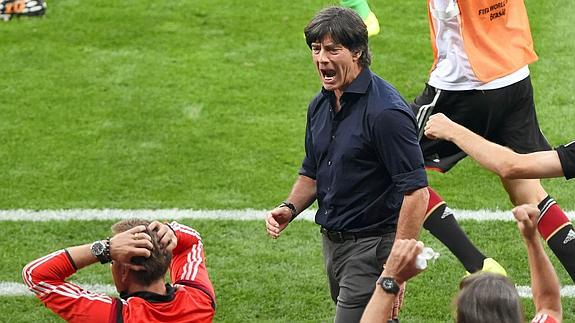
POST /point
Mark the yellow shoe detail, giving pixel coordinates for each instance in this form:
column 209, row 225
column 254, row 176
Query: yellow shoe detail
column 372, row 24
column 491, row 266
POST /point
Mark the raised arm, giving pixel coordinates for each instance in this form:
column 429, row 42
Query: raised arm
column 188, row 265
column 400, row 266
column 46, row 278
column 496, row 158
column 544, row 282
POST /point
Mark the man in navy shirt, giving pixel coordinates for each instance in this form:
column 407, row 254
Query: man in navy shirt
column 363, row 163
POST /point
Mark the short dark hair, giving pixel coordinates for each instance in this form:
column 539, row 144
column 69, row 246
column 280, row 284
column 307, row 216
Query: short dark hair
column 487, row 297
column 159, row 261
column 344, row 26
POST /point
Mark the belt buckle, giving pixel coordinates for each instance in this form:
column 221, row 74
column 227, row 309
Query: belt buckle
column 336, row 236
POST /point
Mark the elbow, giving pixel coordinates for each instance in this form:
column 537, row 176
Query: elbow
column 32, row 275
column 424, row 200
column 27, row 275
column 510, row 170
column 424, row 195
column 420, row 197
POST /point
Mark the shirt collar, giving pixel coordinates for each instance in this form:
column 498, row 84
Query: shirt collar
column 359, row 85
column 152, row 297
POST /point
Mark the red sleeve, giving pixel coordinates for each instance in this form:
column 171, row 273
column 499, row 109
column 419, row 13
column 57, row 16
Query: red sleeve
column 188, row 263
column 543, row 318
column 46, row 276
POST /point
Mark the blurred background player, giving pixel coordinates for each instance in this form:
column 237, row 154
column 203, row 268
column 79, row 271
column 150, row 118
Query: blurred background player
column 480, row 79
column 363, row 10
column 439, row 219
column 508, row 164
column 501, row 160
column 19, row 8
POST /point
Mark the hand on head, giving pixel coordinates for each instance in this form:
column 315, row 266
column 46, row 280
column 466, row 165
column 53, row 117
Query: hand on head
column 136, row 242
column 439, row 127
column 166, row 236
column 401, row 261
column 526, row 216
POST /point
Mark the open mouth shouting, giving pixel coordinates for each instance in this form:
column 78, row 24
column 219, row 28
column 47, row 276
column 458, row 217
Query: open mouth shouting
column 327, row 75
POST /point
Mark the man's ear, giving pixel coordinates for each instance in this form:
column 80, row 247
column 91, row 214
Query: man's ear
column 125, row 273
column 356, row 55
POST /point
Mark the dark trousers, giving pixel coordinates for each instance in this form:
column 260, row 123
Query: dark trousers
column 353, row 267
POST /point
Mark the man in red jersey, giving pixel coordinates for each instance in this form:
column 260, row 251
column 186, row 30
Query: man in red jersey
column 140, row 254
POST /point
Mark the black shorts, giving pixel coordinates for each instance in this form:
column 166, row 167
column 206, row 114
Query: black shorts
column 505, row 116
column 567, row 158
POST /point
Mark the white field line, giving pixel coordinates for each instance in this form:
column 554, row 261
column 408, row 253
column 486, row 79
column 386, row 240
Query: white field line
column 19, row 289
column 566, row 291
column 175, row 214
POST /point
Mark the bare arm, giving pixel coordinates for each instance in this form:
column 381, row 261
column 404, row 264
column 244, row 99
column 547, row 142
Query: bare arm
column 401, row 267
column 412, row 214
column 379, row 307
column 123, row 247
column 302, row 195
column 544, row 282
column 496, row 158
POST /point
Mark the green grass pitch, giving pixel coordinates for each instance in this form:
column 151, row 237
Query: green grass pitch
column 201, row 104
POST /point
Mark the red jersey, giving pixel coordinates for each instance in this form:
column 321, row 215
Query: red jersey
column 543, row 318
column 191, row 299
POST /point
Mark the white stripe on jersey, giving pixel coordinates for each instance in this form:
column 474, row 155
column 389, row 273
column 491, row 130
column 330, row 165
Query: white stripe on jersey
column 186, row 230
column 192, row 258
column 546, row 207
column 73, row 291
column 540, row 318
column 199, row 258
column 29, row 268
column 40, row 289
column 69, row 290
column 43, row 288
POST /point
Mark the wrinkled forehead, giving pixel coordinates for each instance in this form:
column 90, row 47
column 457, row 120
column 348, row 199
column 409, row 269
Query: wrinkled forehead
column 326, row 40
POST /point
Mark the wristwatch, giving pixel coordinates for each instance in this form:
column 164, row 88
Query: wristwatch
column 291, row 207
column 101, row 250
column 389, row 285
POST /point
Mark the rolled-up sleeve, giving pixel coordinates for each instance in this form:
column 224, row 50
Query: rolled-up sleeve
column 395, row 137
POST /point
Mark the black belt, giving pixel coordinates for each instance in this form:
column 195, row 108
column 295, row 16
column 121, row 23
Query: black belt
column 339, row 236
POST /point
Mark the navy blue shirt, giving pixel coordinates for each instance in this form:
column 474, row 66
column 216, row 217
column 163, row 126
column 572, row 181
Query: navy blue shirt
column 567, row 158
column 363, row 158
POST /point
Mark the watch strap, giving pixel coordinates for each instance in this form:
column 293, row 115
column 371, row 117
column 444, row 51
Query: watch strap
column 291, row 207
column 389, row 285
column 104, row 257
